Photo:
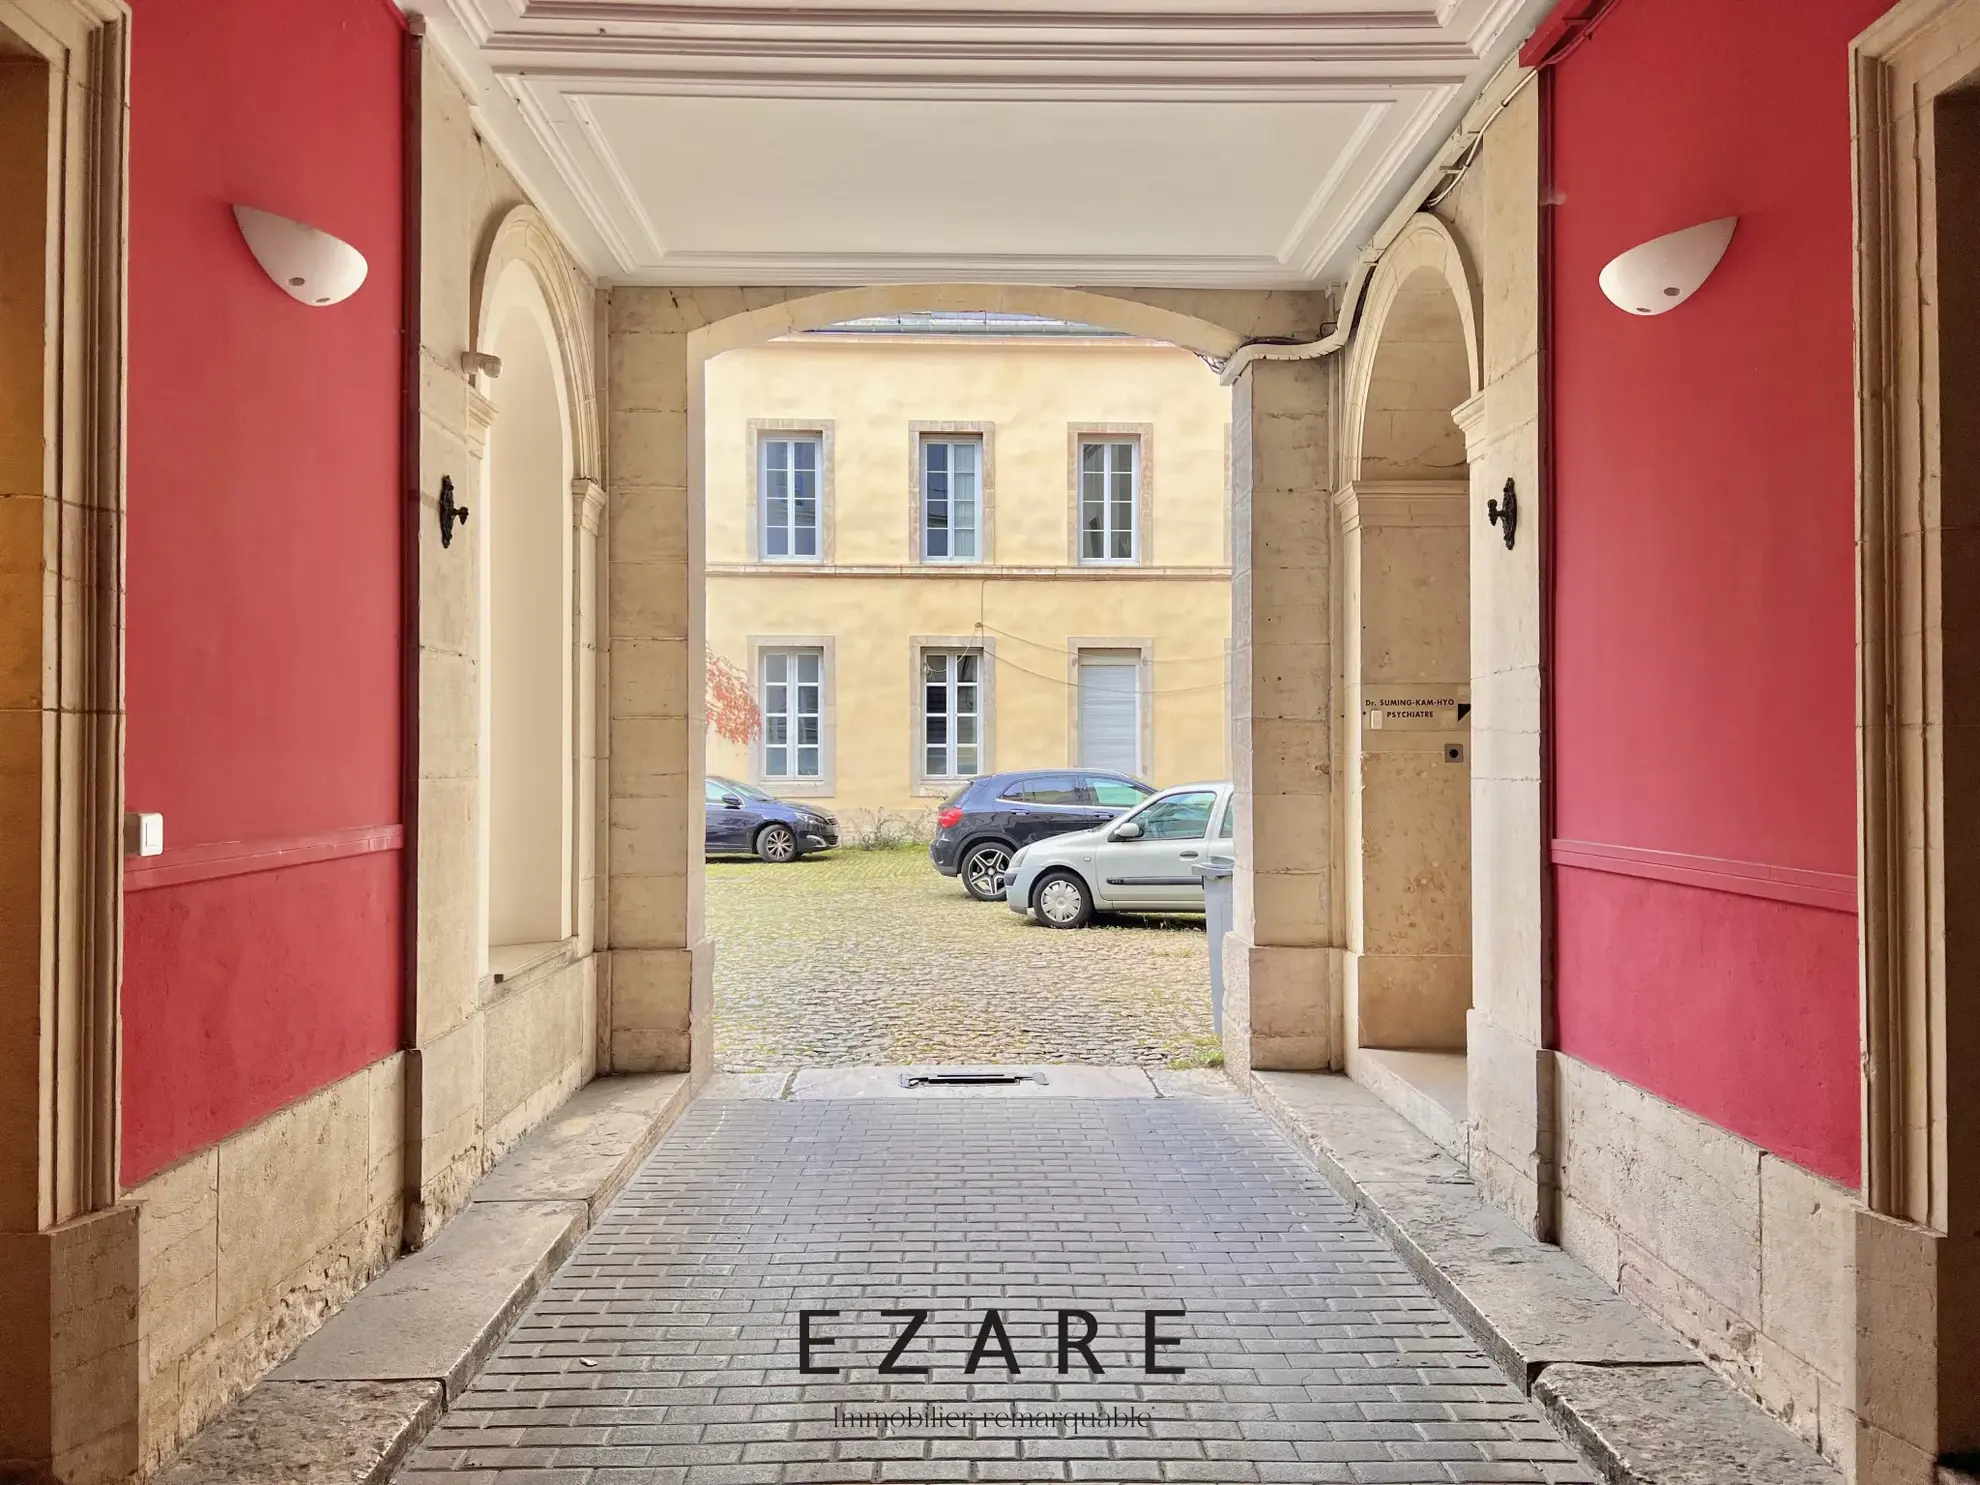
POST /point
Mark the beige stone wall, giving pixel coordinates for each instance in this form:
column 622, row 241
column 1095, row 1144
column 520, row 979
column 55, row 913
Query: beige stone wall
column 1750, row 1258
column 248, row 1246
column 491, row 1057
column 873, row 596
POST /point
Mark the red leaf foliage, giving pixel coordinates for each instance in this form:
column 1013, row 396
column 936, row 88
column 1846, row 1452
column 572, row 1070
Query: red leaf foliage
column 732, row 708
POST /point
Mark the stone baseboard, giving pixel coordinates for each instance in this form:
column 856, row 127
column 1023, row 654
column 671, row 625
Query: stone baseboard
column 372, row 1380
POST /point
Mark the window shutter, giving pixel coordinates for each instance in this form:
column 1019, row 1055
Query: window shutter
column 1110, row 714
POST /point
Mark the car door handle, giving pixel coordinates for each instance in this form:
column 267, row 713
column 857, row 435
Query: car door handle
column 1188, row 855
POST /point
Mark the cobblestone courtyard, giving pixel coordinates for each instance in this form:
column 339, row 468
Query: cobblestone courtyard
column 872, row 957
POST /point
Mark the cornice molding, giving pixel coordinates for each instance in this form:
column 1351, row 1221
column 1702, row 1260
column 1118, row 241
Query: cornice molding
column 1367, row 504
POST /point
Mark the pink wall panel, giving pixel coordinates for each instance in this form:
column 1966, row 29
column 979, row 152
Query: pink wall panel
column 1704, row 620
column 1740, row 1009
column 238, row 1015
column 263, row 668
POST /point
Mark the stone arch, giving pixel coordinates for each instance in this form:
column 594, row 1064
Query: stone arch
column 812, row 311
column 524, row 236
column 656, row 1011
column 1425, row 247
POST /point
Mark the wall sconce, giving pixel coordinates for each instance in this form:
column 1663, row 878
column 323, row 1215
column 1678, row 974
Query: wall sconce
column 452, row 513
column 307, row 264
column 1662, row 273
column 1505, row 513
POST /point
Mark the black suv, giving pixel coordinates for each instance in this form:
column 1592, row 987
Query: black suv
column 983, row 822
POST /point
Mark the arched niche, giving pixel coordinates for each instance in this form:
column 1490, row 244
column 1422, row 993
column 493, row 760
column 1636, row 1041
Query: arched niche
column 1406, row 659
column 528, row 611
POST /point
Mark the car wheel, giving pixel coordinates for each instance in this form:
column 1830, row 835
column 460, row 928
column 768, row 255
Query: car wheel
column 982, row 865
column 1063, row 901
column 776, row 843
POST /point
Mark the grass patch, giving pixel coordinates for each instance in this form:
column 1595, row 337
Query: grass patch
column 1202, row 1051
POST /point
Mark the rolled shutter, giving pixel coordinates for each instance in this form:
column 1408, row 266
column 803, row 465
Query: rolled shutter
column 1110, row 713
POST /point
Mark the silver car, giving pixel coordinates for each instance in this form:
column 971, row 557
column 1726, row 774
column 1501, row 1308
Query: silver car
column 1140, row 863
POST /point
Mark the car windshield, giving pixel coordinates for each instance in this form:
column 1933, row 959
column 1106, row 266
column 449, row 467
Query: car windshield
column 1180, row 816
column 743, row 791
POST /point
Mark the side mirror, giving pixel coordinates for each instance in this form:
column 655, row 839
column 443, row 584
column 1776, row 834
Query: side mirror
column 1129, row 831
column 732, row 801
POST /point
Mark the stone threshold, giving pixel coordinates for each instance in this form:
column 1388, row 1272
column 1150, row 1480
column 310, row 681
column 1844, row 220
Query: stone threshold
column 1640, row 1406
column 356, row 1397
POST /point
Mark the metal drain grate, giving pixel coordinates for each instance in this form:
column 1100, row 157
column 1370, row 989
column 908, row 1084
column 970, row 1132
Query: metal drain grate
column 969, row 1079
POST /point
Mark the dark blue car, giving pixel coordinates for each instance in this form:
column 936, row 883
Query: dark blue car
column 743, row 820
column 986, row 821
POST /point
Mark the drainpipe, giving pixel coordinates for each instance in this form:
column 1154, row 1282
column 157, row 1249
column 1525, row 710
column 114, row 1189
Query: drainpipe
column 1557, row 38
column 1431, row 185
column 1549, row 1213
column 412, row 60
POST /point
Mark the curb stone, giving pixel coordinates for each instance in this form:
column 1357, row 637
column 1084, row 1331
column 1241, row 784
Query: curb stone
column 1639, row 1406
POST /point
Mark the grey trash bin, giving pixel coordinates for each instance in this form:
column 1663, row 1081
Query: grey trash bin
column 1216, row 874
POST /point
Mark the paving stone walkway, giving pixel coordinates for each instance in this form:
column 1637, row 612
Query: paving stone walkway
column 668, row 1348
column 874, row 957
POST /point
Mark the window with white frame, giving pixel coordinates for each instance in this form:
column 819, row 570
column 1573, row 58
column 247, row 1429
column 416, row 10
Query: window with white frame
column 787, row 496
column 951, row 499
column 1108, row 472
column 951, row 713
column 793, row 713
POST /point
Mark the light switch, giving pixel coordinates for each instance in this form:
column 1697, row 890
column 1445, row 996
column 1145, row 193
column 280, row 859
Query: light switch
column 144, row 835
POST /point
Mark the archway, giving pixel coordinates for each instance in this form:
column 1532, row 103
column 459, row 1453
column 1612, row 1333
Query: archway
column 527, row 601
column 1281, row 959
column 1407, row 668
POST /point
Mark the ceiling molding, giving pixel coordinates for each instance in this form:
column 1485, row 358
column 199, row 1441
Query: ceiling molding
column 1056, row 271
column 966, row 87
column 541, row 73
column 1338, row 231
column 633, row 13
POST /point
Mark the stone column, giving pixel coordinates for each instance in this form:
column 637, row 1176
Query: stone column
column 1407, row 812
column 444, row 1066
column 70, row 1259
column 1510, row 1071
column 1282, row 960
column 660, row 962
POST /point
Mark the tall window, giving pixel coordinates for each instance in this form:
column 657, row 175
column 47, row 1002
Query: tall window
column 793, row 708
column 952, row 713
column 1107, row 477
column 951, row 499
column 787, row 494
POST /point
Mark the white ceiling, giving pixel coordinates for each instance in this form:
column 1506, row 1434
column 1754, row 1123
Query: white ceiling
column 1214, row 143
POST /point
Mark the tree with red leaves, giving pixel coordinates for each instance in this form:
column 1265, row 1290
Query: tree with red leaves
column 732, row 708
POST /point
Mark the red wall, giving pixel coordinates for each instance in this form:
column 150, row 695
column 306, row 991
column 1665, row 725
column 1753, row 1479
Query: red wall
column 263, row 568
column 1704, row 618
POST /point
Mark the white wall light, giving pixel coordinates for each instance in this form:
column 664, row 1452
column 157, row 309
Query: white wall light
column 1662, row 273
column 307, row 264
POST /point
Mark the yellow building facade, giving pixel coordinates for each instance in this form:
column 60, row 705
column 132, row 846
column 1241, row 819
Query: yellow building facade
column 937, row 550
